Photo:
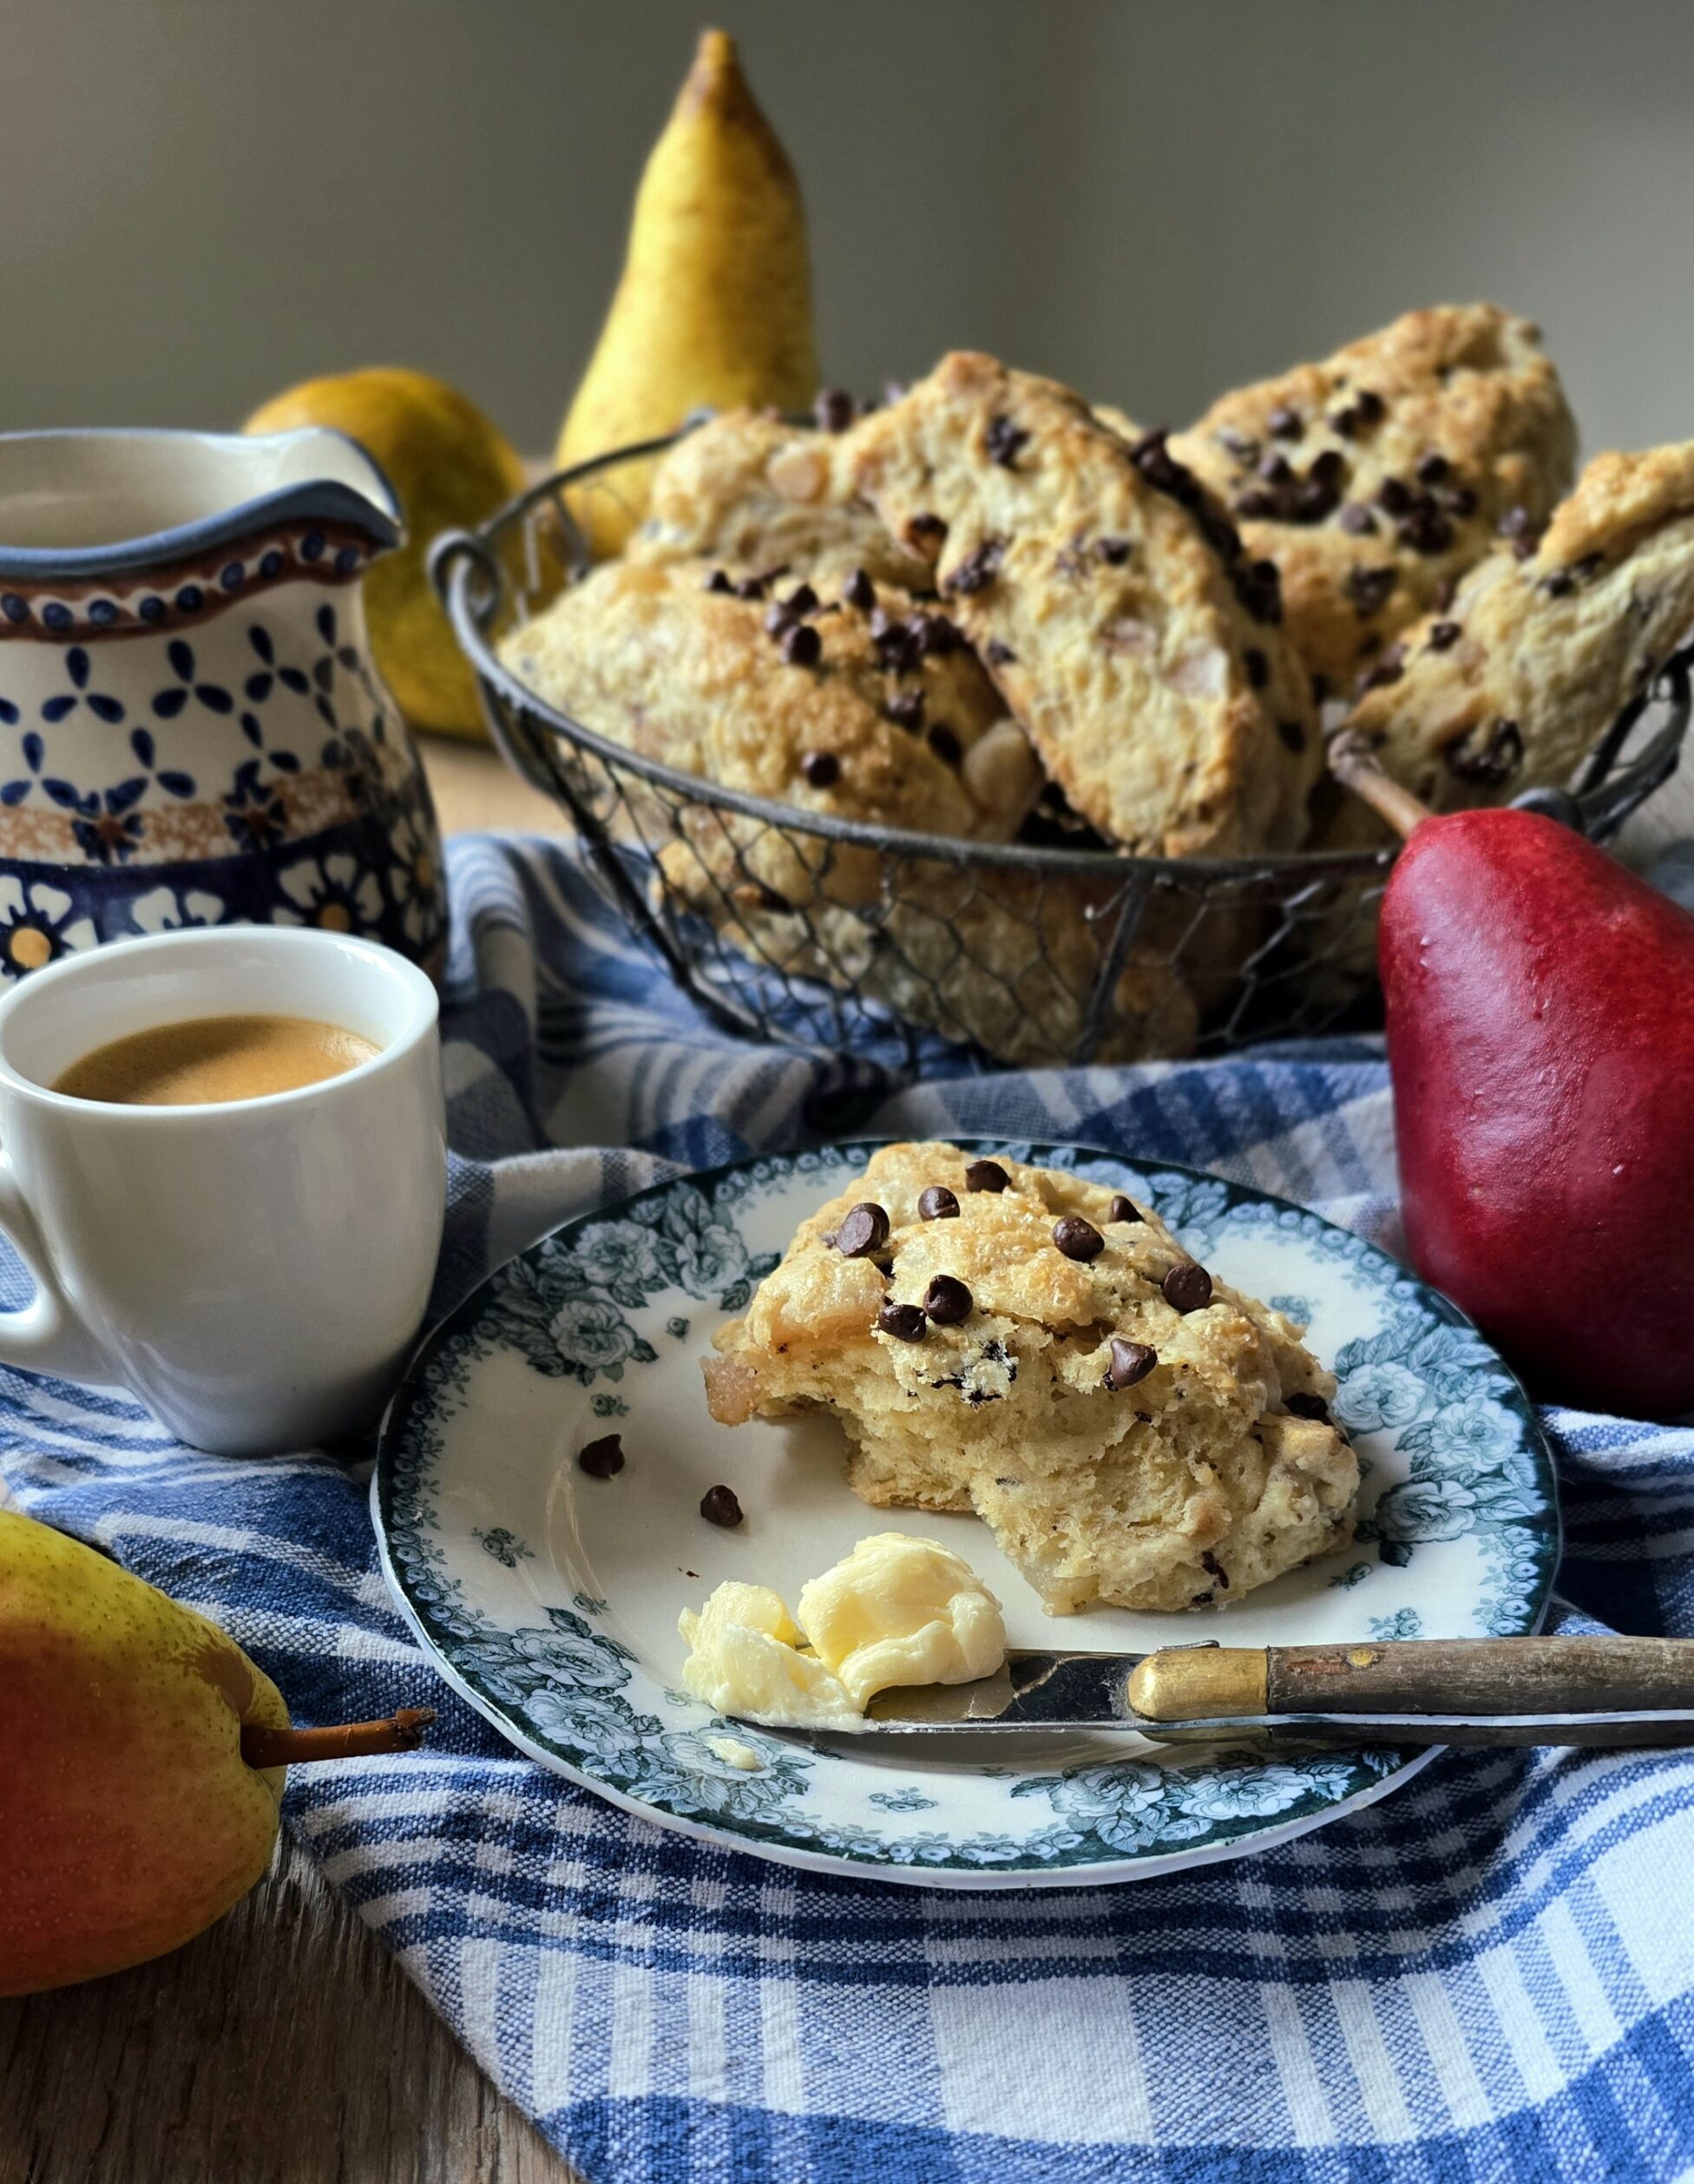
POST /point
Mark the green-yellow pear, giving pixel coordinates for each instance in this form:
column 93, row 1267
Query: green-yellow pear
column 139, row 1764
column 715, row 301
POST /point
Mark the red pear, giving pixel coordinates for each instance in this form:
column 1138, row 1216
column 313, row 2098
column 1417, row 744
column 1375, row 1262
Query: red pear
column 1540, row 1037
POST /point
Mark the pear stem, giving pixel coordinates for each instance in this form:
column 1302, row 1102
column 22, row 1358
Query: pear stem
column 1357, row 768
column 262, row 1746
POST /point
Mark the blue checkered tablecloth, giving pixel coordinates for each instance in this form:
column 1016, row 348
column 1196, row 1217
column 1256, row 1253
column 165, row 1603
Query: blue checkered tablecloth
column 1490, row 1974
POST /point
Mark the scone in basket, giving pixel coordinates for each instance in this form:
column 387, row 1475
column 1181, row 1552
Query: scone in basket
column 822, row 932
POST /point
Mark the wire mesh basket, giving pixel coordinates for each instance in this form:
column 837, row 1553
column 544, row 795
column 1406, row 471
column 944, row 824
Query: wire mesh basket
column 821, row 932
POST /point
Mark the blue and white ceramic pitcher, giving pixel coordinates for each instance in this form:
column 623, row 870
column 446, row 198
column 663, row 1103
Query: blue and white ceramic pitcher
column 192, row 730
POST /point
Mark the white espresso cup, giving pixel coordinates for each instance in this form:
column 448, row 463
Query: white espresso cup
column 255, row 1270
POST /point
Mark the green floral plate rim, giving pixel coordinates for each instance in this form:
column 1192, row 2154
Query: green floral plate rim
column 548, row 1599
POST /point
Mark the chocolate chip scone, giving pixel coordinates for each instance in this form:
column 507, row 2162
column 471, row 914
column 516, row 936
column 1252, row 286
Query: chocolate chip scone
column 1509, row 686
column 750, row 493
column 1374, row 479
column 1016, row 1341
column 864, row 706
column 1111, row 600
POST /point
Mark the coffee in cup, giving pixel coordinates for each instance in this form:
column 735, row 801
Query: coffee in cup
column 210, row 1059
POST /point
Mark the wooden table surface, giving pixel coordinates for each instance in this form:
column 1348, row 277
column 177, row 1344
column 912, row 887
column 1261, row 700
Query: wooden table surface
column 286, row 2046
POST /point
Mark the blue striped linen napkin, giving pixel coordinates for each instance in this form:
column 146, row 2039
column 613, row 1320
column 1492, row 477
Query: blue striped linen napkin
column 1490, row 1974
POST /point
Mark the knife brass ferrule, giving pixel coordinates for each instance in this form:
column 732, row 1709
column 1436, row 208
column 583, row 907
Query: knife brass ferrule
column 1199, row 1683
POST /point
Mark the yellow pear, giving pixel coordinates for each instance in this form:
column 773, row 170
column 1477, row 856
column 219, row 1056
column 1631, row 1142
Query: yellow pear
column 143, row 1757
column 715, row 301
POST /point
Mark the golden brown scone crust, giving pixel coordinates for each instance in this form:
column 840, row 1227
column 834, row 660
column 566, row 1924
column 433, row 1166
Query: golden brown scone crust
column 1190, row 1486
column 1453, row 414
column 1509, row 687
column 747, row 491
column 1110, row 611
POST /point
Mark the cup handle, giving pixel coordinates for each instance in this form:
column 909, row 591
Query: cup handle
column 44, row 1336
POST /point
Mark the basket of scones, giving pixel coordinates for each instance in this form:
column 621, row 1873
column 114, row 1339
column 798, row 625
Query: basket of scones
column 981, row 715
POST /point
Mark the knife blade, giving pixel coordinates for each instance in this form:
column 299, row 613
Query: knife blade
column 1614, row 1691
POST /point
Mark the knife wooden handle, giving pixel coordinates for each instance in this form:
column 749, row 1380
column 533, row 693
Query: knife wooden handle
column 1478, row 1676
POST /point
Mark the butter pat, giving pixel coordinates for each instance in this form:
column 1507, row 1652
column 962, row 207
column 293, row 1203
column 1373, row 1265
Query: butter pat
column 902, row 1611
column 898, row 1611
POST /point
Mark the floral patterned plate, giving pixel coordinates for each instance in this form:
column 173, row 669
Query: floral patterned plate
column 549, row 1598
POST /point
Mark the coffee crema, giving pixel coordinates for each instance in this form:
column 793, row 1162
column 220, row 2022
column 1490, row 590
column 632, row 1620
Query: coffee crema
column 214, row 1058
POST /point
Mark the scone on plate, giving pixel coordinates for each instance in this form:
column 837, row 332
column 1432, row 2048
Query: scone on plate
column 1111, row 600
column 1019, row 1342
column 1509, row 686
column 752, row 494
column 857, row 704
column 1375, row 478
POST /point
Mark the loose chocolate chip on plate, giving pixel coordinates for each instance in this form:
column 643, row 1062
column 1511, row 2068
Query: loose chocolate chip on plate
column 720, row 1507
column 1077, row 1238
column 945, row 744
column 1123, row 1209
column 946, row 1301
column 937, row 1203
column 1442, row 634
column 803, row 646
column 719, row 582
column 986, row 1175
column 1131, row 1361
column 859, row 591
column 905, row 710
column 821, row 768
column 1308, row 1407
column 863, row 1230
column 1187, row 1286
column 602, row 1458
column 1285, row 422
column 1006, row 441
column 833, row 409
column 905, row 1322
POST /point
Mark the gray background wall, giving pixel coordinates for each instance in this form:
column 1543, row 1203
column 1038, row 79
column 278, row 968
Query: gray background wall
column 201, row 200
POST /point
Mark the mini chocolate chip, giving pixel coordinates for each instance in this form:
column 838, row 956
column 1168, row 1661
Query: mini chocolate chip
column 1356, row 518
column 946, row 1301
column 1123, row 1209
column 803, row 646
column 1492, row 763
column 935, row 635
column 978, row 570
column 1214, row 1569
column 1370, row 406
column 1319, row 689
column 1293, row 734
column 602, row 1458
column 905, row 710
column 938, row 1203
column 1285, row 422
column 833, row 409
column 859, row 591
column 720, row 1507
column 1113, row 552
column 1368, row 589
column 777, row 620
column 719, row 582
column 801, row 600
column 905, row 1322
column 1077, row 1238
column 893, row 640
column 1315, row 501
column 1558, row 583
column 1433, row 467
column 945, row 744
column 1394, row 494
column 1256, row 503
column 1426, row 530
column 1000, row 655
column 1257, row 667
column 1349, row 421
column 986, row 1175
column 1187, row 1286
column 1276, row 469
column 1442, row 634
column 1131, row 1361
column 1303, row 1405
column 863, row 1230
column 929, row 529
column 751, row 587
column 1329, row 469
column 1005, row 440
column 821, row 768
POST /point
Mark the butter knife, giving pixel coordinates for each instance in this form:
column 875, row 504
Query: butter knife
column 1572, row 1690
